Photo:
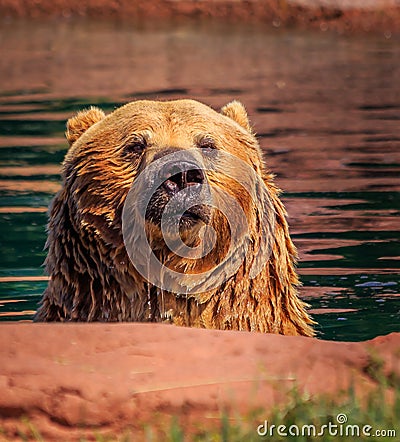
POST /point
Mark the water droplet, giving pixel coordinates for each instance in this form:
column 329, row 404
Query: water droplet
column 276, row 22
column 280, row 84
column 324, row 26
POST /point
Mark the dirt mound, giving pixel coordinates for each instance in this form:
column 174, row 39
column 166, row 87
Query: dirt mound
column 340, row 15
column 76, row 380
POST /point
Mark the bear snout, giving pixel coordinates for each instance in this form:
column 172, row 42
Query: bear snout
column 180, row 176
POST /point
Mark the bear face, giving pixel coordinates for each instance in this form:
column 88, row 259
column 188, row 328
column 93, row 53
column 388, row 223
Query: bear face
column 132, row 137
column 181, row 185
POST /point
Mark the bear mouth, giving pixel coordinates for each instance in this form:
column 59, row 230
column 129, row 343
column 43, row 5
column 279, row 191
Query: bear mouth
column 196, row 214
column 199, row 213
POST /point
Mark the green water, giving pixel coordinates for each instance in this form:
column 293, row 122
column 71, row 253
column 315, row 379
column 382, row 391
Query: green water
column 326, row 109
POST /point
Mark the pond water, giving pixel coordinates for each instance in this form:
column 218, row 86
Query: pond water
column 326, row 109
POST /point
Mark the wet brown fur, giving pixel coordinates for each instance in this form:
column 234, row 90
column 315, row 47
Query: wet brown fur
column 91, row 276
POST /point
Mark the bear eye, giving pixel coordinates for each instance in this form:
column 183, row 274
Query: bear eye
column 136, row 145
column 206, row 142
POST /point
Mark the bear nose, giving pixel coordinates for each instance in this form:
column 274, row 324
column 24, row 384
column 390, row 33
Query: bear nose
column 182, row 175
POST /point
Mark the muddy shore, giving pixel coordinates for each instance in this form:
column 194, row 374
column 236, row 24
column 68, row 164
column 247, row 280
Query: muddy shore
column 342, row 16
column 69, row 381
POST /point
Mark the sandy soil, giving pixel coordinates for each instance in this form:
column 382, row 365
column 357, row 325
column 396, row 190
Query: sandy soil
column 76, row 380
column 339, row 15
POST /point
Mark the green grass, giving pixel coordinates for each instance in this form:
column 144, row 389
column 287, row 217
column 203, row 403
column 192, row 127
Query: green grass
column 299, row 416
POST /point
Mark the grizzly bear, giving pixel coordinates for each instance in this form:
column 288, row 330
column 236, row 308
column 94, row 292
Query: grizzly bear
column 167, row 213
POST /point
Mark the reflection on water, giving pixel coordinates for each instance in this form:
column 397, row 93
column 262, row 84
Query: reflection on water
column 326, row 110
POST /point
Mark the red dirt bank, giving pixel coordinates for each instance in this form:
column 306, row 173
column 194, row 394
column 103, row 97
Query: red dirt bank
column 377, row 15
column 77, row 380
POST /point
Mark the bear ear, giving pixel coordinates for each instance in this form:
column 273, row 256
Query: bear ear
column 81, row 122
column 237, row 112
